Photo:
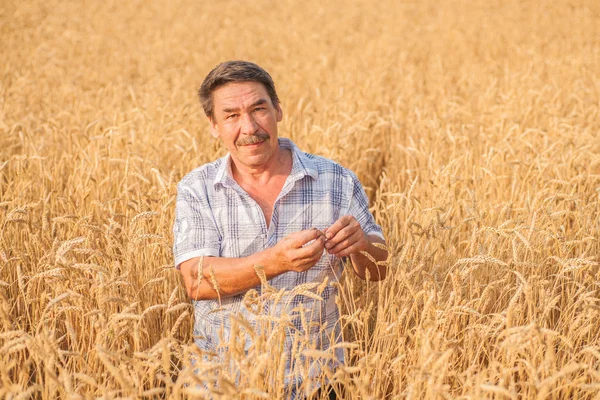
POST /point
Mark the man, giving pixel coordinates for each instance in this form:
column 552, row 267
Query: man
column 268, row 204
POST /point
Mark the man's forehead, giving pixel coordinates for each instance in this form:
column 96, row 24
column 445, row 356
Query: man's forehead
column 240, row 95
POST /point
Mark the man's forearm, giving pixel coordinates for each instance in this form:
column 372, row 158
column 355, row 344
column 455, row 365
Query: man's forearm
column 214, row 277
column 361, row 263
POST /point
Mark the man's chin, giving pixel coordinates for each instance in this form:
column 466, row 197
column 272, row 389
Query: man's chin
column 250, row 159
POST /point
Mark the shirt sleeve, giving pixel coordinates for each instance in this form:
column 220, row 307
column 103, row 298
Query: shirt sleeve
column 359, row 209
column 195, row 232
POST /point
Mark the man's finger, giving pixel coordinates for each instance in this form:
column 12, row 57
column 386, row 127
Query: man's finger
column 345, row 243
column 314, row 249
column 348, row 251
column 343, row 234
column 299, row 239
column 337, row 226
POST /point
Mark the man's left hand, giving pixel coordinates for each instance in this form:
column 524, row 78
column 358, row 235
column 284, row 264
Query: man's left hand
column 345, row 237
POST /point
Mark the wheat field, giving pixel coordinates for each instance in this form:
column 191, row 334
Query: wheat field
column 474, row 127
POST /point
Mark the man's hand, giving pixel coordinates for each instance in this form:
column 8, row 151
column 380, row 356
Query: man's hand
column 299, row 251
column 346, row 237
column 225, row 277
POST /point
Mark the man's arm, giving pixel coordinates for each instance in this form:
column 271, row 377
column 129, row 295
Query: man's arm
column 225, row 277
column 346, row 238
column 361, row 263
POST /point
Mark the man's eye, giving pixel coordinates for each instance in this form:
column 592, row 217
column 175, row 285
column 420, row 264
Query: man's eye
column 259, row 109
column 231, row 116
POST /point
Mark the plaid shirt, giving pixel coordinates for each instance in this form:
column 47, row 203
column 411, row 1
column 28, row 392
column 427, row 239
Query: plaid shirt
column 216, row 217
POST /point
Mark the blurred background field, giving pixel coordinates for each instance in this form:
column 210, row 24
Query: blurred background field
column 474, row 127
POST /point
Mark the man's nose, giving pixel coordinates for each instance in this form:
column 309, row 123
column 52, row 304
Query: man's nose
column 249, row 125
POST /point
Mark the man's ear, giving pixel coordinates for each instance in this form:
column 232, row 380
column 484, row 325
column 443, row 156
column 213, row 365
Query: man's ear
column 279, row 112
column 214, row 130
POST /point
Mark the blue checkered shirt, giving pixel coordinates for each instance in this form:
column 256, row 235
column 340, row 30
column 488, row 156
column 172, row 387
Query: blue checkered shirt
column 216, row 217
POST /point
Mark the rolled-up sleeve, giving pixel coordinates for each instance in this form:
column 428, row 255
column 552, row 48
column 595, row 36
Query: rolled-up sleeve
column 195, row 232
column 359, row 209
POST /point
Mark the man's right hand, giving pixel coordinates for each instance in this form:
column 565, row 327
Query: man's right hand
column 296, row 252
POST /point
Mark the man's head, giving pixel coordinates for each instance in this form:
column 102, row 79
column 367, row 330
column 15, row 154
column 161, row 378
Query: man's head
column 243, row 111
column 233, row 72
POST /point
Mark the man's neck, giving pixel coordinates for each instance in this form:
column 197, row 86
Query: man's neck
column 279, row 164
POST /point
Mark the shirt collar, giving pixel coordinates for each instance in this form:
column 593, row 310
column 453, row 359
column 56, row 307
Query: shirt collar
column 302, row 165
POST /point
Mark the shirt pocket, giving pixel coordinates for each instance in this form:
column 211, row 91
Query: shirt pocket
column 316, row 211
column 323, row 214
column 243, row 234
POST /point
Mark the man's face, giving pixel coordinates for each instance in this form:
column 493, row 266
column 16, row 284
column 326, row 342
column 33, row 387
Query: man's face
column 246, row 121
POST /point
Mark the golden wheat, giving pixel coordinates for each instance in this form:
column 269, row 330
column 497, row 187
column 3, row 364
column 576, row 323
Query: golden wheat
column 474, row 128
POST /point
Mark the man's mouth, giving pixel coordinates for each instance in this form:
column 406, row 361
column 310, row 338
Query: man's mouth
column 254, row 139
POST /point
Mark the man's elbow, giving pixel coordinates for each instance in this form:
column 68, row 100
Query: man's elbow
column 200, row 292
column 196, row 286
column 378, row 275
column 372, row 274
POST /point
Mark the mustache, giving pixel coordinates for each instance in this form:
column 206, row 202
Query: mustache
column 256, row 138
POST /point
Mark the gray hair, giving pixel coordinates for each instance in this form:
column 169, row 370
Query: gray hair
column 234, row 71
